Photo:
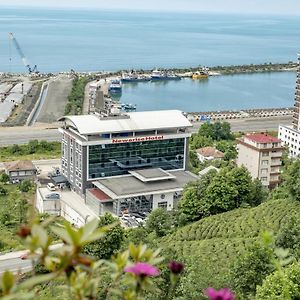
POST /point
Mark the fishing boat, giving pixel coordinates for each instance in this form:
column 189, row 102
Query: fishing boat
column 202, row 74
column 134, row 77
column 128, row 106
column 115, row 86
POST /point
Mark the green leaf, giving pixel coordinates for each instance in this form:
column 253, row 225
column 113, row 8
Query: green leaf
column 39, row 231
column 63, row 234
column 7, row 282
column 89, row 228
column 31, row 282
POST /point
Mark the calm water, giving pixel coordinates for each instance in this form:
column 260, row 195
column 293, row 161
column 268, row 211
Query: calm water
column 235, row 92
column 58, row 40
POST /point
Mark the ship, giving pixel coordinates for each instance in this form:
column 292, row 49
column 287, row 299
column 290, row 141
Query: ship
column 159, row 75
column 128, row 106
column 115, row 86
column 134, row 77
column 202, row 74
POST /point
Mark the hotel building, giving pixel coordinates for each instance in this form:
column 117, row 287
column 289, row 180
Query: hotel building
column 131, row 162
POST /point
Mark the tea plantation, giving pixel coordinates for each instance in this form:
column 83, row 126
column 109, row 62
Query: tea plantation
column 210, row 246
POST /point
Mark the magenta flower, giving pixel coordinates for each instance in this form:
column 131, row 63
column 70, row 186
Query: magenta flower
column 142, row 269
column 222, row 294
column 176, row 267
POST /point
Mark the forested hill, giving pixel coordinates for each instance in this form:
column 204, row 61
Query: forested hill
column 210, row 246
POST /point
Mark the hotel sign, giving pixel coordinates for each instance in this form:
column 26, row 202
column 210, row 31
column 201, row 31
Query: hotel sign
column 138, row 139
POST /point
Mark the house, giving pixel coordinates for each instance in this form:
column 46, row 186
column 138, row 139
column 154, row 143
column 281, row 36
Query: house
column 20, row 170
column 209, row 153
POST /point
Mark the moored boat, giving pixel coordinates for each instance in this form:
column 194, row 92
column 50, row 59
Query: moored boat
column 115, row 86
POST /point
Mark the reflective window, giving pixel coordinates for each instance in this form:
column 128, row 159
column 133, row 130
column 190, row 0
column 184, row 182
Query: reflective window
column 118, row 159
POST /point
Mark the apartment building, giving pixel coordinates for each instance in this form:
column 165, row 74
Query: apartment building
column 261, row 154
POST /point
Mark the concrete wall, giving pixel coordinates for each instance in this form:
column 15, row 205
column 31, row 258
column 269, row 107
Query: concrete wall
column 51, row 207
column 159, row 198
column 71, row 215
column 249, row 158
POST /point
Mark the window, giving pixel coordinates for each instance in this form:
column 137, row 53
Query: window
column 162, row 196
column 265, row 154
column 264, row 171
column 163, row 204
column 263, row 178
column 264, row 162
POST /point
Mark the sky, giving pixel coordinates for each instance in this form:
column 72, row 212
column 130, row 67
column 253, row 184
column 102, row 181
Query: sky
column 241, row 6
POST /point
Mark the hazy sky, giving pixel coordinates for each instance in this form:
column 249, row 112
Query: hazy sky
column 259, row 6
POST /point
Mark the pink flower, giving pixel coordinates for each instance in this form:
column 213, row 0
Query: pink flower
column 142, row 269
column 176, row 267
column 223, row 294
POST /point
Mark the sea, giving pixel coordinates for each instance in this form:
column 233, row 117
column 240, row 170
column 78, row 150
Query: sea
column 94, row 40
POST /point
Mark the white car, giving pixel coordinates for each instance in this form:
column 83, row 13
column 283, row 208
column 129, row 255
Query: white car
column 51, row 187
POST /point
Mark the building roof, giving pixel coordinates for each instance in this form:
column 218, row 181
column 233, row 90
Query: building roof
column 99, row 194
column 206, row 170
column 137, row 121
column 22, row 165
column 210, row 152
column 130, row 186
column 262, row 138
column 152, row 174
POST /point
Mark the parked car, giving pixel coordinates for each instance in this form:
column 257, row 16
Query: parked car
column 52, row 196
column 24, row 255
column 51, row 186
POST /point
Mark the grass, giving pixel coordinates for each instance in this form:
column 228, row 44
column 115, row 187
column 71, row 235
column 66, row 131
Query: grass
column 34, row 150
column 209, row 247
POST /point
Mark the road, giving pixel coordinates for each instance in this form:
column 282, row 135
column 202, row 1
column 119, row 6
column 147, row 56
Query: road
column 22, row 135
column 15, row 265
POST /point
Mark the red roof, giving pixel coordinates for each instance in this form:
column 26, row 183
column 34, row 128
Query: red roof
column 210, row 152
column 262, row 138
column 99, row 194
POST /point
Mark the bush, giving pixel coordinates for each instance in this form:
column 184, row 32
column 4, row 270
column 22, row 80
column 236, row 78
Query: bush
column 25, row 186
column 3, row 191
column 4, row 178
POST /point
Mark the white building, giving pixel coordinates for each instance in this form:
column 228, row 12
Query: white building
column 290, row 135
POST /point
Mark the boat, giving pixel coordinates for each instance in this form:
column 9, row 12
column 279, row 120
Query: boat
column 128, row 106
column 159, row 75
column 202, row 74
column 115, row 86
column 134, row 77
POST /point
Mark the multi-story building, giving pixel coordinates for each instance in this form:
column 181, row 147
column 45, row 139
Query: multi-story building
column 290, row 135
column 135, row 161
column 261, row 154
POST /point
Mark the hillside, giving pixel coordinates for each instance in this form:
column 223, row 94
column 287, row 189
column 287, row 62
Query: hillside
column 208, row 247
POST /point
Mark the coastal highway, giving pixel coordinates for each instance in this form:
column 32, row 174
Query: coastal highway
column 22, row 135
column 15, row 265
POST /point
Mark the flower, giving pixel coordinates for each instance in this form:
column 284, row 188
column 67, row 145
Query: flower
column 24, row 231
column 176, row 267
column 142, row 269
column 222, row 294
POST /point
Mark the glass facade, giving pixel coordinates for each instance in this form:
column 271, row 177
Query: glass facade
column 118, row 159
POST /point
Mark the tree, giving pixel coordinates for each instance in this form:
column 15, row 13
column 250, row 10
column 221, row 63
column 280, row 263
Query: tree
column 251, row 268
column 192, row 206
column 160, row 222
column 3, row 191
column 217, row 131
column 228, row 190
column 289, row 235
column 15, row 149
column 198, row 141
column 282, row 285
column 25, row 186
column 259, row 193
column 291, row 177
column 4, row 178
column 108, row 245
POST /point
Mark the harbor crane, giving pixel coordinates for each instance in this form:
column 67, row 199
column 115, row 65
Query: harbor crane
column 24, row 59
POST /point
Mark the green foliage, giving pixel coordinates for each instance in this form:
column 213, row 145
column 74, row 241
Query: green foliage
column 250, row 269
column 291, row 177
column 4, row 178
column 192, row 204
column 25, row 186
column 198, row 141
column 3, row 190
column 111, row 242
column 216, row 131
column 228, row 148
column 76, row 97
column 281, row 285
column 33, row 150
column 288, row 236
column 159, row 221
column 210, row 246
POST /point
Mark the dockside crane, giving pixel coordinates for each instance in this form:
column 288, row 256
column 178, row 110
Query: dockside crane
column 24, row 59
